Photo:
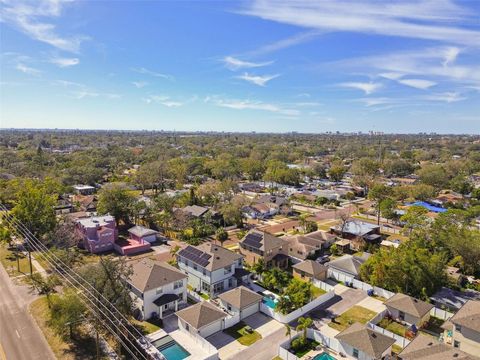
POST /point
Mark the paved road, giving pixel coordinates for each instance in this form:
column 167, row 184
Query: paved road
column 20, row 337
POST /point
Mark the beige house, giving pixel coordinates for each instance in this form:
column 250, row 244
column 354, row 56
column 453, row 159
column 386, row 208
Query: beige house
column 409, row 310
column 309, row 270
column 257, row 245
column 242, row 301
column 462, row 331
column 426, row 348
column 360, row 342
column 203, row 319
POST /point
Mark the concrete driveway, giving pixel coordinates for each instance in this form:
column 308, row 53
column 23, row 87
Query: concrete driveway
column 263, row 324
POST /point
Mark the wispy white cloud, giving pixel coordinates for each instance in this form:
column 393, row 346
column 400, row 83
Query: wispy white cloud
column 440, row 20
column 450, row 55
column 235, row 64
column 376, row 101
column 83, row 94
column 429, row 62
column 65, row 62
column 448, row 97
column 391, row 75
column 251, row 105
column 34, row 18
column 285, row 43
column 27, row 69
column 368, row 88
column 168, row 101
column 257, row 79
column 139, row 84
column 417, row 83
column 303, row 95
column 142, row 70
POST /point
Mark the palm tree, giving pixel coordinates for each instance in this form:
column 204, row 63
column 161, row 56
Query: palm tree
column 303, row 221
column 304, row 324
column 288, row 331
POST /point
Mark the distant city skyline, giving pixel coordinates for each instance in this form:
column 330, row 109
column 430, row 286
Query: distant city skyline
column 263, row 66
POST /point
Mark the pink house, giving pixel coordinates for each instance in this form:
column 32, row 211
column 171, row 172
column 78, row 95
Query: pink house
column 99, row 233
column 139, row 241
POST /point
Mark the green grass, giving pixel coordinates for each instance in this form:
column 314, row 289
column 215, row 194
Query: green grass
column 316, row 292
column 147, row 326
column 9, row 262
column 355, row 314
column 240, row 333
column 397, row 349
column 205, row 296
column 393, row 326
column 311, row 345
column 434, row 325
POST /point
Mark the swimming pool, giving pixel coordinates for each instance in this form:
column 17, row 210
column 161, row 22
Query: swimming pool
column 429, row 206
column 170, row 349
column 269, row 302
column 323, row 356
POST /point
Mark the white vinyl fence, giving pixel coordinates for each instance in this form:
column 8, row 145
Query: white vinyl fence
column 284, row 319
column 346, row 278
column 399, row 340
column 441, row 314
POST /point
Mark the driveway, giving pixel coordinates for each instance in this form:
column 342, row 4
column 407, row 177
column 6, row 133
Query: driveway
column 341, row 302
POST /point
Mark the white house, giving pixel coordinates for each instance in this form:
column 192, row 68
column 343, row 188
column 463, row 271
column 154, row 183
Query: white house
column 241, row 301
column 157, row 287
column 212, row 269
column 203, row 319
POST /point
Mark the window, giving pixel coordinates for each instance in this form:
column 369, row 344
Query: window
column 401, row 315
column 178, row 284
column 218, row 287
column 158, row 291
column 187, row 327
column 205, row 272
column 195, row 267
column 355, row 353
column 226, row 270
column 458, row 328
column 456, row 343
column 229, row 307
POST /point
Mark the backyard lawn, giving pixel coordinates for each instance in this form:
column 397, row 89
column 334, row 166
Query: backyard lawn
column 316, row 292
column 434, row 325
column 240, row 333
column 147, row 326
column 355, row 314
column 393, row 326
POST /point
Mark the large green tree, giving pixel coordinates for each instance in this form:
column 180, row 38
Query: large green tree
column 35, row 207
column 116, row 200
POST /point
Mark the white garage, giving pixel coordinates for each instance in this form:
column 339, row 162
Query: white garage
column 242, row 301
column 202, row 318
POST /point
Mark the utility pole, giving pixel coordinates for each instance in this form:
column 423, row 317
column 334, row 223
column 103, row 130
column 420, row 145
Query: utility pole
column 30, row 259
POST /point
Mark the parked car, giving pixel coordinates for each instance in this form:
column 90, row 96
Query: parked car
column 323, row 259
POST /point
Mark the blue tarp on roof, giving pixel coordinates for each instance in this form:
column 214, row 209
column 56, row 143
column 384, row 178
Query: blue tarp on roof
column 429, row 207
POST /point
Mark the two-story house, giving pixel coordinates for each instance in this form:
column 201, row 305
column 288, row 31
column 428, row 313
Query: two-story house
column 156, row 287
column 462, row 331
column 99, row 233
column 258, row 244
column 212, row 269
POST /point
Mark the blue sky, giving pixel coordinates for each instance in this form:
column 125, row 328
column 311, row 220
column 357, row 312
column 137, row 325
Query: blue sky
column 396, row 66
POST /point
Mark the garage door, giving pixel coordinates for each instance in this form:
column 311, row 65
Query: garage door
column 211, row 329
column 250, row 310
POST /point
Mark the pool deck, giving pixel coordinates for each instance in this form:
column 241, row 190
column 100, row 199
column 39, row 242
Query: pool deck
column 196, row 350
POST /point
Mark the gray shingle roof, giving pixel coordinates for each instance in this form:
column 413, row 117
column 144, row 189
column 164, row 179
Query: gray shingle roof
column 149, row 274
column 366, row 340
column 347, row 263
column 468, row 315
column 268, row 241
column 219, row 256
column 427, row 348
column 409, row 305
column 310, row 267
column 241, row 297
column 201, row 314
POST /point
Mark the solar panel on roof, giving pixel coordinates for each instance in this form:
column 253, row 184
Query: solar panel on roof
column 253, row 240
column 195, row 255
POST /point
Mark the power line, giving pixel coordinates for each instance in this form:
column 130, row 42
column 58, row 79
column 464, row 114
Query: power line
column 64, row 271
